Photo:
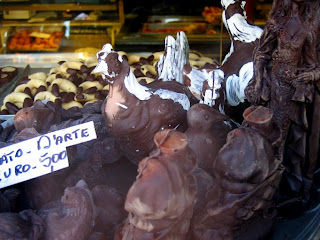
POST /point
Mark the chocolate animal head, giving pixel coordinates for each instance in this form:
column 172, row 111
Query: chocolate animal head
column 235, row 20
column 74, row 196
column 205, row 84
column 202, row 117
column 110, row 63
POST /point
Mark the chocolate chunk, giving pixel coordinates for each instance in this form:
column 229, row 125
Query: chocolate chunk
column 41, row 89
column 91, row 90
column 68, row 97
column 12, row 108
column 55, row 90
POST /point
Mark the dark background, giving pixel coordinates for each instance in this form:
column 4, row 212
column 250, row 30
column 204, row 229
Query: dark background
column 168, row 7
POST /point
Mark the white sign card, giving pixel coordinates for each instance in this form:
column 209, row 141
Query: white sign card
column 41, row 155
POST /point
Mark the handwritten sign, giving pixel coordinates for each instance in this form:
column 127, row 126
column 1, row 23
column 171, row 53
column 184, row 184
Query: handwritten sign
column 41, row 155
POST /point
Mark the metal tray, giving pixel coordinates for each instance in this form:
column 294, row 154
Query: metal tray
column 173, row 24
column 7, row 88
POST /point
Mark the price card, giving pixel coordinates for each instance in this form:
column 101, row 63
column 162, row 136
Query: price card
column 41, row 155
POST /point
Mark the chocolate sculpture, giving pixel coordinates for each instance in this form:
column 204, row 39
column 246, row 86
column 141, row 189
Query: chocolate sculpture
column 286, row 74
column 243, row 35
column 134, row 113
column 176, row 54
column 71, row 218
column 207, row 133
column 223, row 87
column 110, row 209
column 246, row 174
column 160, row 202
column 39, row 117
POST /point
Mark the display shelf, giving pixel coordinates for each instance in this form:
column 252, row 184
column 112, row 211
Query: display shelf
column 61, row 7
column 36, row 60
column 111, row 25
column 211, row 45
column 53, row 23
column 209, row 38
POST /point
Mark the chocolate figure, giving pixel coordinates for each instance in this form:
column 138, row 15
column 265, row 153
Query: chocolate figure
column 223, row 87
column 207, row 133
column 135, row 113
column 246, row 175
column 71, row 218
column 161, row 200
column 286, row 74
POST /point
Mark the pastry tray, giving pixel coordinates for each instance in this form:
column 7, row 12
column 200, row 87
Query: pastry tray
column 8, row 87
column 172, row 24
column 29, row 48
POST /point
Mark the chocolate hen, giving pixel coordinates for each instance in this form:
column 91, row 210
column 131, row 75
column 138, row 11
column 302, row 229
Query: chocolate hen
column 135, row 113
column 73, row 217
column 207, row 133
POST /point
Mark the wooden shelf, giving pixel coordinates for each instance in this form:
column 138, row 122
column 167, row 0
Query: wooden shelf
column 98, row 23
column 112, row 26
column 61, row 7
